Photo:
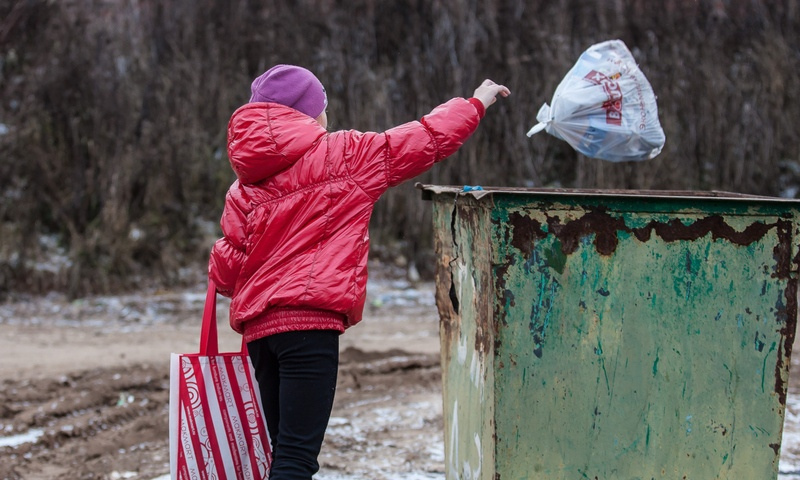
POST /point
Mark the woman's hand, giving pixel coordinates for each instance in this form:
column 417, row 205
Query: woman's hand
column 488, row 90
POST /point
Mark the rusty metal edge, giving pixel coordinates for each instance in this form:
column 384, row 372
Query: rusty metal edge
column 428, row 190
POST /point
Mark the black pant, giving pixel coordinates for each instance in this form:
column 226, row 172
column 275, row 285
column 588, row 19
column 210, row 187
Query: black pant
column 296, row 373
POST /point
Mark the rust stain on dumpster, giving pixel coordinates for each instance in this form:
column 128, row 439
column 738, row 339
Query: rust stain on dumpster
column 465, row 219
column 597, row 222
column 676, row 230
column 605, row 228
column 787, row 316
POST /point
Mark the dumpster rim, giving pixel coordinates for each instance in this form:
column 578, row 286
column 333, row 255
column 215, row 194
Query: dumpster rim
column 720, row 195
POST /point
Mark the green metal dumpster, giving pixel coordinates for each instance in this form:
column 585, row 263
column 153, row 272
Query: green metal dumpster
column 614, row 334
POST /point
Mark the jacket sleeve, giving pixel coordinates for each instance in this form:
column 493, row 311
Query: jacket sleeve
column 228, row 253
column 379, row 161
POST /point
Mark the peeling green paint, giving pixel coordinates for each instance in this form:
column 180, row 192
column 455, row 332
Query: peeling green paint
column 614, row 335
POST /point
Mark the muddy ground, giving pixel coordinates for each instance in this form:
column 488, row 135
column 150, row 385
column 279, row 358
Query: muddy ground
column 84, row 387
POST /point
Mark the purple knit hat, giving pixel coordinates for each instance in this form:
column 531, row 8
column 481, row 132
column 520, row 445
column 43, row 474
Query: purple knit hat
column 292, row 86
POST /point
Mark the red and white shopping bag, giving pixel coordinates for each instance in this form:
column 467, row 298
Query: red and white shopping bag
column 216, row 420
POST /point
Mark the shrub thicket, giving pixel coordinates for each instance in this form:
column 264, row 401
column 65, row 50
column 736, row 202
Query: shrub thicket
column 113, row 114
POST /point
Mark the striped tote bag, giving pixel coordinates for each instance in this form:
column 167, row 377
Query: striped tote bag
column 216, row 420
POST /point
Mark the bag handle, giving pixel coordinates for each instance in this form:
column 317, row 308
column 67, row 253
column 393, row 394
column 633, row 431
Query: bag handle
column 209, row 344
column 209, row 341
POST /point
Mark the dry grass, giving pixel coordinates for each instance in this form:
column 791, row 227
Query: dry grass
column 116, row 110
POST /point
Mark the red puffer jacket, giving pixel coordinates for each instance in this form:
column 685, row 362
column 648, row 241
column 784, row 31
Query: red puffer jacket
column 295, row 223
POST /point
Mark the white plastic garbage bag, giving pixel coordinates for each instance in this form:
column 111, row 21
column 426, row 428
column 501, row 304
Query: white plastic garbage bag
column 605, row 107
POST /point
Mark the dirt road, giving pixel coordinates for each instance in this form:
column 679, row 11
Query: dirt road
column 84, row 386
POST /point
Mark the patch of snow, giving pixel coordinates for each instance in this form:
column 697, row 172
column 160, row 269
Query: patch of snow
column 31, row 436
column 56, row 258
column 136, row 234
column 115, row 475
column 397, row 476
column 382, row 293
column 789, row 462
